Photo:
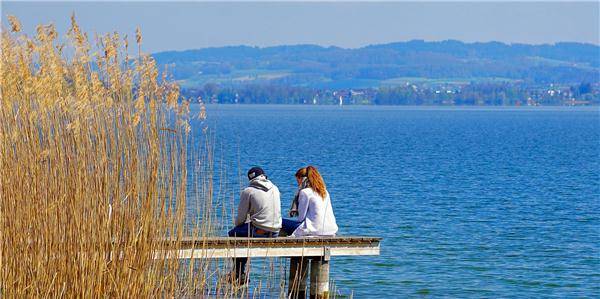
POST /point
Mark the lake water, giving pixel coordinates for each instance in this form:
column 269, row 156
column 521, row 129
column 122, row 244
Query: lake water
column 471, row 202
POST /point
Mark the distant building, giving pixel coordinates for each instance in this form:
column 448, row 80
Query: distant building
column 532, row 102
column 574, row 102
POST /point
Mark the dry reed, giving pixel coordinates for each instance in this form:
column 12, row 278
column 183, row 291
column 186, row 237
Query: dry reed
column 93, row 149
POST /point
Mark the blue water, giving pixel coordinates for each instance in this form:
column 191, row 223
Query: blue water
column 470, row 202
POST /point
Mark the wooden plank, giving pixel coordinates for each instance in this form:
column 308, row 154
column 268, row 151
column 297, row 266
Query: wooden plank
column 214, row 253
column 269, row 247
column 226, row 242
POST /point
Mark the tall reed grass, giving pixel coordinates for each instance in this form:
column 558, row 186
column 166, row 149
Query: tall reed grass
column 93, row 150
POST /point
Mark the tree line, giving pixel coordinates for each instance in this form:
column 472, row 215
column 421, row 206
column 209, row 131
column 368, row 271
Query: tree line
column 486, row 93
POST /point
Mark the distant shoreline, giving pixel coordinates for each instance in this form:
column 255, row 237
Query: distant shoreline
column 413, row 107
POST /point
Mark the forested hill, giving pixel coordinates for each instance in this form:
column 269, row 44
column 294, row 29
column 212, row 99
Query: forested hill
column 385, row 65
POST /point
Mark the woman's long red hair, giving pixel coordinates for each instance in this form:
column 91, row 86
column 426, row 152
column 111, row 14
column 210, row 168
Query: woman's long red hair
column 316, row 181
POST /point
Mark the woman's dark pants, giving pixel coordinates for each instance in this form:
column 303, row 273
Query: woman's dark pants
column 289, row 225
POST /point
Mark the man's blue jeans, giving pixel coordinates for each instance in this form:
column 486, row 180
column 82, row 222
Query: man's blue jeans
column 249, row 230
column 246, row 230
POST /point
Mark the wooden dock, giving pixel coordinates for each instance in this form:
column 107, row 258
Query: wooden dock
column 316, row 251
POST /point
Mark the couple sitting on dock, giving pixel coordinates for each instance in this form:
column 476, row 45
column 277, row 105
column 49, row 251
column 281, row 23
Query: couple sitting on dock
column 259, row 210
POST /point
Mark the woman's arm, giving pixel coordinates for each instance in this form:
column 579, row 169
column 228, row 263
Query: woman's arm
column 294, row 209
column 302, row 206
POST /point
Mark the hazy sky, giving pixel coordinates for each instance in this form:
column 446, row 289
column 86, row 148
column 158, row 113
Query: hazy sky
column 188, row 25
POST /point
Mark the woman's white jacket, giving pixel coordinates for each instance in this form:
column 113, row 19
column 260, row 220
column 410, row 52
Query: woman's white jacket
column 315, row 214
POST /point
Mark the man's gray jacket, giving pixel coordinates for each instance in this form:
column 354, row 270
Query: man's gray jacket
column 260, row 204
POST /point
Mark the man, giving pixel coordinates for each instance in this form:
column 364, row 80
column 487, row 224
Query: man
column 258, row 216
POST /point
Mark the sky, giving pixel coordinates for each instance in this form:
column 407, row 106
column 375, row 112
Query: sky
column 193, row 25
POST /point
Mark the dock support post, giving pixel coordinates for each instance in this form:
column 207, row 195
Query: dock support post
column 319, row 277
column 297, row 278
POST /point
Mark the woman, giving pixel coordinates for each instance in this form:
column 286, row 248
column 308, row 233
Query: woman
column 314, row 210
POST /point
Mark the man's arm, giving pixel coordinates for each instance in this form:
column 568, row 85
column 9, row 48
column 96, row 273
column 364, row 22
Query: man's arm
column 243, row 209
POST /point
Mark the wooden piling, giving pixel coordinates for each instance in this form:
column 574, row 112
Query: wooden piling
column 297, row 279
column 319, row 278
